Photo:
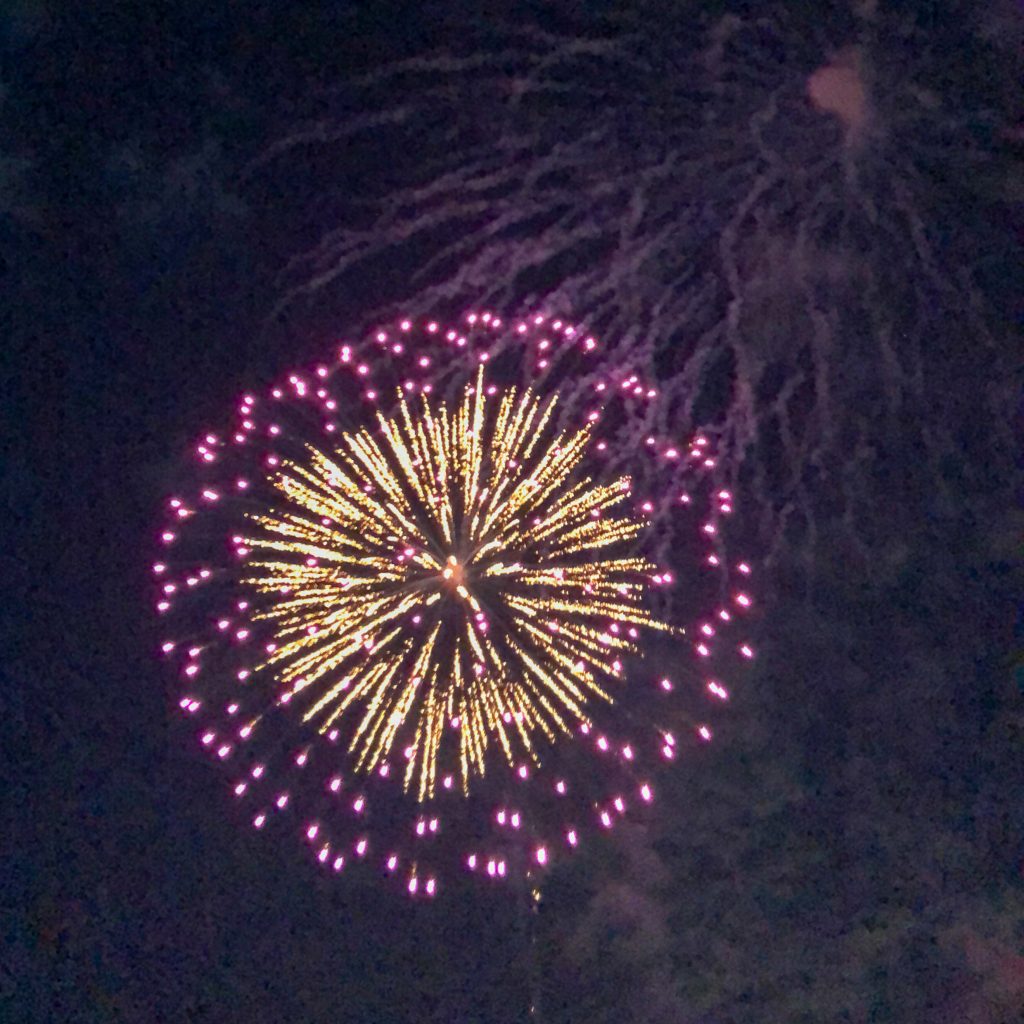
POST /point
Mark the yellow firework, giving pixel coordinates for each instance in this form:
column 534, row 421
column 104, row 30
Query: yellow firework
column 449, row 584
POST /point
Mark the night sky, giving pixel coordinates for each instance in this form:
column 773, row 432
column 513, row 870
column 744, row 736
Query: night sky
column 851, row 848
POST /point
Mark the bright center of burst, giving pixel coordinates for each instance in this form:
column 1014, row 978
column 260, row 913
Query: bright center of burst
column 455, row 575
column 489, row 505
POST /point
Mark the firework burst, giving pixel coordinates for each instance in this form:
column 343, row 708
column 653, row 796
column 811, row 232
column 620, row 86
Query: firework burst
column 435, row 598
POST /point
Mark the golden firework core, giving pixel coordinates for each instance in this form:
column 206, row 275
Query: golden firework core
column 449, row 584
column 454, row 573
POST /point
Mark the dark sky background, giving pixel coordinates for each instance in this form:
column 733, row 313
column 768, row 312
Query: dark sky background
column 853, row 850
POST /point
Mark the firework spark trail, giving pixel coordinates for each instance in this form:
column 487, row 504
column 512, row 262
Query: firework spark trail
column 752, row 208
column 435, row 597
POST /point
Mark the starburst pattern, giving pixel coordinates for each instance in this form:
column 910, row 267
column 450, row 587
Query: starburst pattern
column 467, row 526
column 443, row 623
